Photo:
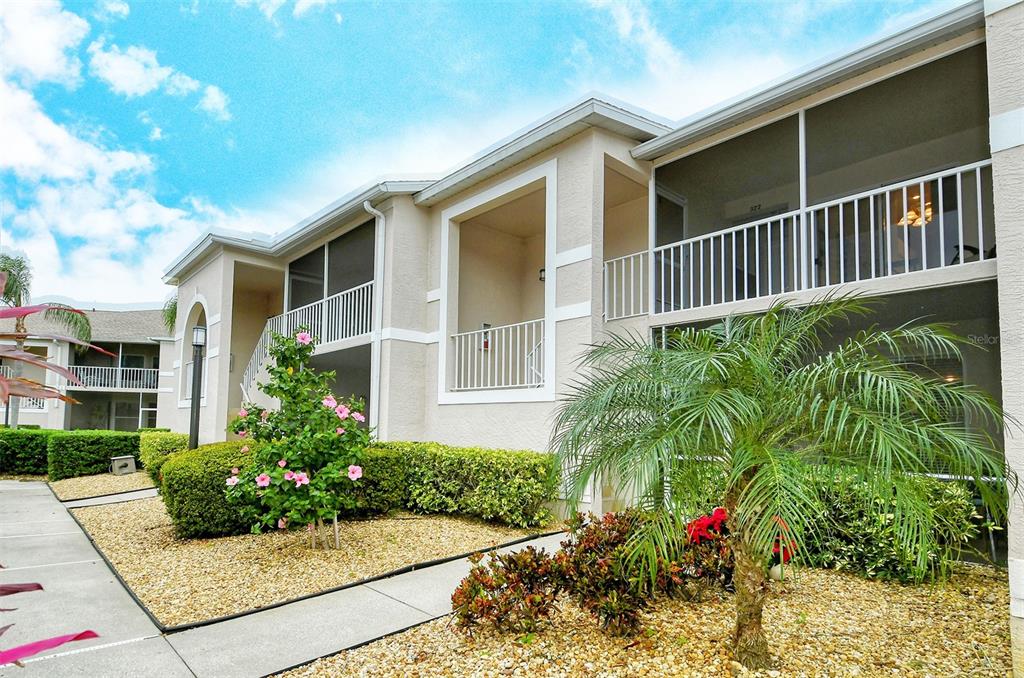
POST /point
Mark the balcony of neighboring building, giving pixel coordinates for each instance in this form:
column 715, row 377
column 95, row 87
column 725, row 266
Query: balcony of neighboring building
column 130, row 368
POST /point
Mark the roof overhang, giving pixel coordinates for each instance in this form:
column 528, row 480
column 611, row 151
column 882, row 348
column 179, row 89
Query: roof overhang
column 298, row 236
column 592, row 111
column 786, row 90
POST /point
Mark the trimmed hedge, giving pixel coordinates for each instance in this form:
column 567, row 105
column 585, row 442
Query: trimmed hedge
column 193, row 490
column 23, row 450
column 82, row 453
column 155, row 446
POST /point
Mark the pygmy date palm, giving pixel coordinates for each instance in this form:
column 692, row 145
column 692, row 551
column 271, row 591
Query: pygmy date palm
column 766, row 402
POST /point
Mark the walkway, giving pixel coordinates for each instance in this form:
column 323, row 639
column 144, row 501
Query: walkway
column 40, row 542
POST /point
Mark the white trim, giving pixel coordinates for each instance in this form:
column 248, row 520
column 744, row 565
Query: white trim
column 801, row 133
column 212, row 320
column 412, row 336
column 572, row 311
column 165, row 389
column 1015, row 572
column 177, row 365
column 166, row 374
column 993, row 6
column 548, row 172
column 434, row 295
column 213, row 352
column 1006, row 130
column 573, row 256
column 342, row 344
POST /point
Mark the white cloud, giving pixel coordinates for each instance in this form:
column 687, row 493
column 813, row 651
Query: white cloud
column 303, row 6
column 35, row 41
column 215, row 102
column 107, row 10
column 155, row 133
column 132, row 72
column 669, row 82
column 135, row 71
column 267, row 7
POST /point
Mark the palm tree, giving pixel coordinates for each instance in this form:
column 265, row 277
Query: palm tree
column 170, row 313
column 766, row 402
column 17, row 293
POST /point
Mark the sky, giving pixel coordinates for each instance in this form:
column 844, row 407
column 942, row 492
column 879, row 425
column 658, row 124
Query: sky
column 128, row 129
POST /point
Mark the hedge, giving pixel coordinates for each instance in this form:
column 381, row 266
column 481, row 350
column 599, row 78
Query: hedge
column 23, row 450
column 155, row 445
column 82, row 453
column 193, row 490
column 509, row 486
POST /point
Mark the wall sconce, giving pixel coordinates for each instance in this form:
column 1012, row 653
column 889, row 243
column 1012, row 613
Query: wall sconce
column 543, row 276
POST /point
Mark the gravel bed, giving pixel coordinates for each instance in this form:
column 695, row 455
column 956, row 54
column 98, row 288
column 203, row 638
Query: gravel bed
column 103, row 483
column 189, row 580
column 820, row 623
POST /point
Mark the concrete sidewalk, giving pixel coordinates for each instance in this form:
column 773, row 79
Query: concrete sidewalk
column 40, row 542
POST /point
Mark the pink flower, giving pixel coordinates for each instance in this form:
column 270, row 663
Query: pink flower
column 262, row 480
column 243, row 412
column 301, row 479
column 242, row 434
column 234, row 471
column 358, row 416
column 282, row 523
column 245, row 449
column 282, row 463
column 303, row 338
column 264, row 415
column 355, row 472
column 288, row 475
column 341, row 411
column 232, row 481
column 340, row 431
column 330, row 402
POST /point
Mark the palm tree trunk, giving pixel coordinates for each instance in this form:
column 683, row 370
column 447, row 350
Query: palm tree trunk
column 749, row 642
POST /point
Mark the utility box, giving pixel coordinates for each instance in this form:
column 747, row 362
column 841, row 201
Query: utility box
column 122, row 466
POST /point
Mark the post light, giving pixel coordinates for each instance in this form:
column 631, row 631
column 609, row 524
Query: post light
column 198, row 342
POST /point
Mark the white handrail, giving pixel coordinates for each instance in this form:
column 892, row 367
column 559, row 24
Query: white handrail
column 625, row 286
column 508, row 356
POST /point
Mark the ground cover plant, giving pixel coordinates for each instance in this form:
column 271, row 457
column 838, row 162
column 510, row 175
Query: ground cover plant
column 771, row 402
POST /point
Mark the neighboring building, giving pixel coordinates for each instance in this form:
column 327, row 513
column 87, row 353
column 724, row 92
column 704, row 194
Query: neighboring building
column 117, row 392
column 457, row 306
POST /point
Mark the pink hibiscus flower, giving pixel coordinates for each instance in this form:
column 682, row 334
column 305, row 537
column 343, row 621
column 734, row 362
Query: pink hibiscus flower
column 234, row 471
column 301, row 479
column 242, row 434
column 282, row 463
column 341, row 411
column 289, row 475
column 245, row 449
column 232, row 481
column 340, row 431
column 262, row 480
column 282, row 523
column 358, row 416
column 355, row 472
column 264, row 415
column 330, row 402
column 303, row 338
column 243, row 412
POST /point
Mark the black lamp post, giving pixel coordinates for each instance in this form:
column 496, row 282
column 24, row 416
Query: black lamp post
column 198, row 342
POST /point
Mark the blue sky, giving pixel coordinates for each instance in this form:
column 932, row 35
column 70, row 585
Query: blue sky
column 132, row 127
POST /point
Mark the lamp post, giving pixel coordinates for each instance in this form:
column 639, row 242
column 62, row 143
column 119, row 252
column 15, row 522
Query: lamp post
column 198, row 342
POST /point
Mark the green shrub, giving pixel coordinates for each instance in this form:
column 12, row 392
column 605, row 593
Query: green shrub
column 860, row 535
column 509, row 486
column 23, row 450
column 155, row 445
column 193, row 490
column 384, row 486
column 82, row 453
column 154, row 430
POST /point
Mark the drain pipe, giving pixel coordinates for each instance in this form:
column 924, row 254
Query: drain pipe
column 378, row 316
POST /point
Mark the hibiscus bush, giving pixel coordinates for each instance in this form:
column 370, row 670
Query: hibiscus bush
column 306, row 455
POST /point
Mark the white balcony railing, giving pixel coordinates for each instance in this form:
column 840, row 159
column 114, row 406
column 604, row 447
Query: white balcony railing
column 23, row 403
column 509, row 356
column 625, row 286
column 930, row 222
column 115, row 378
column 340, row 316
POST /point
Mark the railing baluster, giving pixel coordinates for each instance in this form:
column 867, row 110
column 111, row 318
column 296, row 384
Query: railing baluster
column 924, row 227
column 981, row 230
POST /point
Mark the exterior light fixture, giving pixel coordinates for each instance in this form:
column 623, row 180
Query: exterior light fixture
column 542, row 275
column 198, row 342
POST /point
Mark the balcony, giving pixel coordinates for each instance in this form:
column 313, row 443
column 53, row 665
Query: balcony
column 339, row 317
column 510, row 356
column 937, row 221
column 114, row 378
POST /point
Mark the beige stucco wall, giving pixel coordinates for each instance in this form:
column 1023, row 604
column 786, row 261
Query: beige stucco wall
column 1005, row 33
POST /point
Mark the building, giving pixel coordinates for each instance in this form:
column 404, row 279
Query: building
column 456, row 305
column 117, row 392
